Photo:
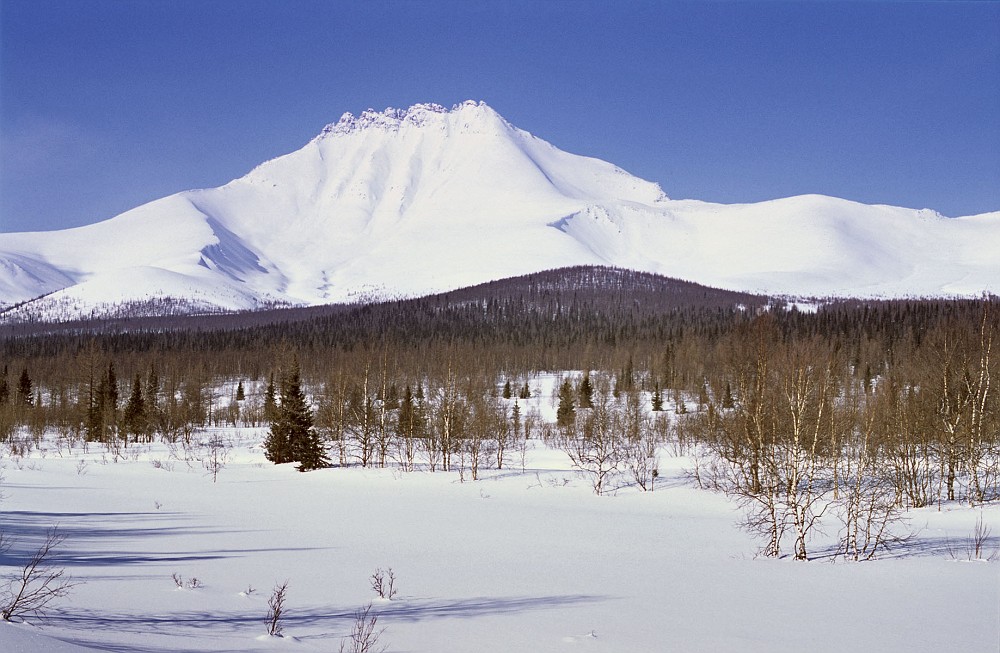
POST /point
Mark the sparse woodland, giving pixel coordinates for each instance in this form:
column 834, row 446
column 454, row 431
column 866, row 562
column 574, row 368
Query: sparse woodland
column 862, row 409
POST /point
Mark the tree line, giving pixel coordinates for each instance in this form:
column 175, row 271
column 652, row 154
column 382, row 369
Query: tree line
column 874, row 405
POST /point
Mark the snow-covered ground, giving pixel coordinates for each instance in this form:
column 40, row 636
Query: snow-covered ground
column 520, row 560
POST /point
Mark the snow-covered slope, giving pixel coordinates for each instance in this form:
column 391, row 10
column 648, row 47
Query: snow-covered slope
column 407, row 202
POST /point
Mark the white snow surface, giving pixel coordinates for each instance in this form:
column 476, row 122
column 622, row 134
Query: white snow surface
column 426, row 199
column 524, row 559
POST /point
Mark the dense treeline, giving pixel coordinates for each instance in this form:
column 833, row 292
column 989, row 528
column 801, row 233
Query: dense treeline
column 553, row 320
column 876, row 405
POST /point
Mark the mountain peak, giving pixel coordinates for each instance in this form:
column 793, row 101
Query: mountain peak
column 406, row 202
column 418, row 115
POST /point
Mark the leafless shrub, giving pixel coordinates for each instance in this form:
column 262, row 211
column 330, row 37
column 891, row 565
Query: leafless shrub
column 215, row 457
column 192, row 583
column 383, row 583
column 160, row 464
column 977, row 541
column 975, row 547
column 365, row 635
column 28, row 595
column 276, row 610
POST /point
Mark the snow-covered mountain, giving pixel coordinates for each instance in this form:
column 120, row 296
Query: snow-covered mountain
column 409, row 202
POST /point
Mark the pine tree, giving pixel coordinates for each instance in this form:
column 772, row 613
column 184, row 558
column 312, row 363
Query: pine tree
column 240, row 393
column 525, row 392
column 506, row 390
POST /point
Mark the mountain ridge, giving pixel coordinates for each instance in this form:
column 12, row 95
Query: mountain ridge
column 410, row 202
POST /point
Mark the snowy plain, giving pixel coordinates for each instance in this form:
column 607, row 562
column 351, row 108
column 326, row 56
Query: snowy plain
column 527, row 558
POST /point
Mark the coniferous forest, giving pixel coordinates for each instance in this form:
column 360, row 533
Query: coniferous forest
column 876, row 406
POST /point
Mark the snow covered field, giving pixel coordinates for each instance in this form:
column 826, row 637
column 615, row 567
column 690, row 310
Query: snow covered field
column 520, row 560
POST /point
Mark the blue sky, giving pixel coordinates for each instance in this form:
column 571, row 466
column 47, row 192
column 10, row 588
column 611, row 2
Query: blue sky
column 106, row 104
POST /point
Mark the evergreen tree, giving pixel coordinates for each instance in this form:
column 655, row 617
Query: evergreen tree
column 240, row 393
column 657, row 398
column 106, row 408
column 727, row 397
column 525, row 392
column 111, row 389
column 151, row 399
column 409, row 416
column 586, row 391
column 270, row 401
column 293, row 437
column 391, row 397
column 506, row 390
column 24, row 392
column 4, row 390
column 566, row 412
column 134, row 414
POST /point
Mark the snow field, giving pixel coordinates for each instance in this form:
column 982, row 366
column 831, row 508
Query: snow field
column 520, row 560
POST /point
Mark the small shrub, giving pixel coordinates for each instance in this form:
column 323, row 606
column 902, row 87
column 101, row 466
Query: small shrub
column 365, row 634
column 276, row 610
column 383, row 583
column 29, row 593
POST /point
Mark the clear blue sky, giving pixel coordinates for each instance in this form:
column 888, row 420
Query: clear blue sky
column 106, row 104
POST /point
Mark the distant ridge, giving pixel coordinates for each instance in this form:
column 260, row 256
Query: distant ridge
column 409, row 202
column 592, row 289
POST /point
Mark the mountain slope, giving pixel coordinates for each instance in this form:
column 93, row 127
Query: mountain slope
column 409, row 202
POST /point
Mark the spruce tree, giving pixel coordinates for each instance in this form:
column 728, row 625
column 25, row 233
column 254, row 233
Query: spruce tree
column 566, row 412
column 727, row 397
column 24, row 393
column 293, row 437
column 278, row 445
column 134, row 414
column 270, row 401
column 586, row 392
column 407, row 414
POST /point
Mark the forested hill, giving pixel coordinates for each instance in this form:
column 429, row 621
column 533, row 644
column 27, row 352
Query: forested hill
column 573, row 318
column 541, row 320
column 566, row 291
